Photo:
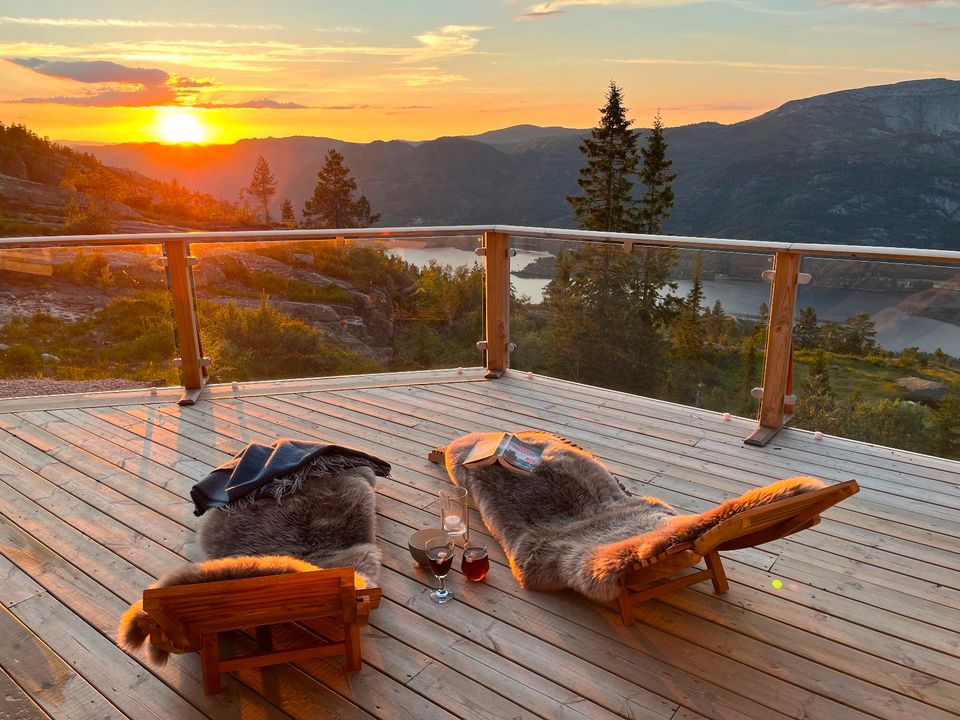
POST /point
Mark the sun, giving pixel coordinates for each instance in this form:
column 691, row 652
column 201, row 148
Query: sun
column 180, row 125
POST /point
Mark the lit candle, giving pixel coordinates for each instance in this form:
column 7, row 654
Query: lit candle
column 452, row 522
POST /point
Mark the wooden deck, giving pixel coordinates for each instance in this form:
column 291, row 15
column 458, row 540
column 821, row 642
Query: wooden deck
column 94, row 506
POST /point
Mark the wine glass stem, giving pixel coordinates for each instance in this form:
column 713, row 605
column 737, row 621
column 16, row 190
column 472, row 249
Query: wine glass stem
column 440, row 588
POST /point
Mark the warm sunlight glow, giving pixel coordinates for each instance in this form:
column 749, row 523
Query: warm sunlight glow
column 180, row 125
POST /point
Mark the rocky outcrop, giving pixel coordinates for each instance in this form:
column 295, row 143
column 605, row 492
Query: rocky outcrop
column 928, row 392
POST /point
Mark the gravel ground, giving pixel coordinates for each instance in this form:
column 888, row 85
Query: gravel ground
column 32, row 387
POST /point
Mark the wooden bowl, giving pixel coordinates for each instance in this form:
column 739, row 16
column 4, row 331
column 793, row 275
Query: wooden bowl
column 417, row 544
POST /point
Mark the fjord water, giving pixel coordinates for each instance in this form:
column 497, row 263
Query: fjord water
column 894, row 312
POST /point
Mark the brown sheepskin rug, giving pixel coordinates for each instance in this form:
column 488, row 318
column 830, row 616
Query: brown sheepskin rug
column 572, row 525
column 329, row 521
column 326, row 521
column 132, row 633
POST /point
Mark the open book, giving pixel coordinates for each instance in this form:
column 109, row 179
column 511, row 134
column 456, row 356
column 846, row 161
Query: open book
column 508, row 450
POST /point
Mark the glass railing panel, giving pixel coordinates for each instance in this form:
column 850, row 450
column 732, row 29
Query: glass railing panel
column 338, row 307
column 877, row 352
column 83, row 320
column 677, row 324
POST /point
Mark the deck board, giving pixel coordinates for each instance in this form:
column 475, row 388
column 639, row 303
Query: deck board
column 95, row 506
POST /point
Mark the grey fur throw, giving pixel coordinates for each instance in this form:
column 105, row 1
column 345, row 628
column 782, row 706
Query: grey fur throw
column 329, row 522
column 571, row 525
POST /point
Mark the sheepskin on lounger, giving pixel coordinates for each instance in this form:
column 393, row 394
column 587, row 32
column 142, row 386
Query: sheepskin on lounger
column 328, row 521
column 571, row 525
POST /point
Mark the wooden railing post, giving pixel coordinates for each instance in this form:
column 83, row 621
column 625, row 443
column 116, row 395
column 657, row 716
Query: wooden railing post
column 778, row 356
column 193, row 366
column 497, row 290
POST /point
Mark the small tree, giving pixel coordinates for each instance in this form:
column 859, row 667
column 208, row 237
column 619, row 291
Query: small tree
column 288, row 216
column 657, row 179
column 611, row 152
column 806, row 333
column 332, row 204
column 945, row 426
column 263, row 186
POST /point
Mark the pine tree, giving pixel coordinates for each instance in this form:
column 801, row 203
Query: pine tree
column 806, row 333
column 946, row 428
column 611, row 151
column 263, row 186
column 594, row 333
column 288, row 217
column 332, row 204
column 687, row 358
column 655, row 175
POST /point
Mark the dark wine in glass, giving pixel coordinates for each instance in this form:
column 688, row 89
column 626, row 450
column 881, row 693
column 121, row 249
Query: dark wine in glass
column 440, row 556
column 440, row 559
column 475, row 564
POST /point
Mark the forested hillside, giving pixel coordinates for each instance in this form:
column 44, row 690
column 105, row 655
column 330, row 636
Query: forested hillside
column 875, row 166
column 47, row 188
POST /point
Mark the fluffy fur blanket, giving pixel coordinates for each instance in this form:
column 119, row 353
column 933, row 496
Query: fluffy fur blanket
column 572, row 525
column 328, row 521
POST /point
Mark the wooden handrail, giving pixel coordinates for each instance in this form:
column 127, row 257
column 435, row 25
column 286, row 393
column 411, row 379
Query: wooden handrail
column 180, row 281
column 779, row 348
column 497, row 306
column 496, row 238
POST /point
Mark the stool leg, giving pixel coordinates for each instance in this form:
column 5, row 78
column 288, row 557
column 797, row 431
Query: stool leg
column 717, row 575
column 626, row 607
column 351, row 642
column 210, row 663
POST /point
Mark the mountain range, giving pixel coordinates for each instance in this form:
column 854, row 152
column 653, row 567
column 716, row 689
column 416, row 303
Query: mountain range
column 876, row 166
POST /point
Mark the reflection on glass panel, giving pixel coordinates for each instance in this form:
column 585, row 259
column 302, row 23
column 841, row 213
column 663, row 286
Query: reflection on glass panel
column 80, row 320
column 319, row 308
column 682, row 325
column 876, row 348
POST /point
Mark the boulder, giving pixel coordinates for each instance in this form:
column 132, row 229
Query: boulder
column 925, row 391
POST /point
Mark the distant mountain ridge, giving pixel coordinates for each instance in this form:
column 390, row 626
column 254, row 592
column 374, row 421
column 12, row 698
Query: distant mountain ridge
column 877, row 165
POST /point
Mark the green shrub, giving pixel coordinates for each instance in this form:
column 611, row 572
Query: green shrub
column 22, row 358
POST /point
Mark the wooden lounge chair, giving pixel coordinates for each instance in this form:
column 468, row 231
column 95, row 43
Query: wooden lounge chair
column 655, row 576
column 190, row 618
column 570, row 524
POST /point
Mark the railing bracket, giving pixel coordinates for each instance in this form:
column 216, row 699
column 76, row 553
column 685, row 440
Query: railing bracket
column 804, row 278
column 481, row 345
column 481, row 251
column 511, row 347
column 757, row 392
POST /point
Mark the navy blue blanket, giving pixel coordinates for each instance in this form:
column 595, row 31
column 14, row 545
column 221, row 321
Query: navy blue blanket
column 251, row 472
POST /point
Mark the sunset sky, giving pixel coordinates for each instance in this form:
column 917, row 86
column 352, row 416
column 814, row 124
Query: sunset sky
column 117, row 71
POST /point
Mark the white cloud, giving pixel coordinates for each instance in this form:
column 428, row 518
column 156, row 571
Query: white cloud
column 789, row 68
column 121, row 23
column 558, row 7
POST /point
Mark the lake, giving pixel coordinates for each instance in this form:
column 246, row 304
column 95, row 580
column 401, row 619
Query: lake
column 891, row 312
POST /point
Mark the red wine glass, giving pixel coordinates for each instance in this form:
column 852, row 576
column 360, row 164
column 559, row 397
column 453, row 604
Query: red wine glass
column 440, row 556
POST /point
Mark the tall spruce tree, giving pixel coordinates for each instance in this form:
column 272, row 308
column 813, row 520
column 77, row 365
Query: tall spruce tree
column 288, row 216
column 607, row 202
column 332, row 204
column 655, row 176
column 263, row 186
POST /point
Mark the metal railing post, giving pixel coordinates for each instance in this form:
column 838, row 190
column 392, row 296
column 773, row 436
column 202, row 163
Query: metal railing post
column 497, row 292
column 778, row 356
column 193, row 366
